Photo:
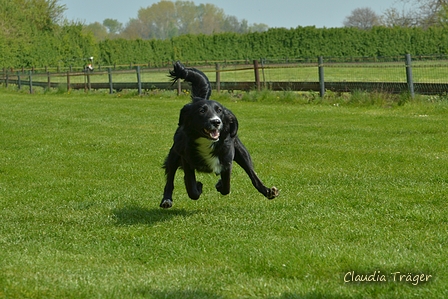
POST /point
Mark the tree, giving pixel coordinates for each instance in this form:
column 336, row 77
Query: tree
column 428, row 12
column 134, row 29
column 34, row 33
column 159, row 20
column 424, row 13
column 113, row 26
column 258, row 27
column 27, row 15
column 393, row 17
column 167, row 19
column 211, row 18
column 187, row 14
column 98, row 30
column 362, row 18
column 55, row 10
column 443, row 16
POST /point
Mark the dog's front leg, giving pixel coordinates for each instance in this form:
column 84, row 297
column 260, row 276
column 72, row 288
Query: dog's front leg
column 171, row 165
column 242, row 157
column 223, row 185
column 194, row 188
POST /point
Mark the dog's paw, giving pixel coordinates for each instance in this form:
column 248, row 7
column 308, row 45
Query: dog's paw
column 194, row 195
column 220, row 188
column 199, row 187
column 272, row 193
column 166, row 203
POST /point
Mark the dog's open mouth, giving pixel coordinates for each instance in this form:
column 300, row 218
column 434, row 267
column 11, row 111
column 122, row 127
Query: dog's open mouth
column 212, row 134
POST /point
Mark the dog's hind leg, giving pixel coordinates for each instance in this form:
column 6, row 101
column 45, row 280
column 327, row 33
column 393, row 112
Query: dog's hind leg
column 242, row 157
column 171, row 165
column 194, row 188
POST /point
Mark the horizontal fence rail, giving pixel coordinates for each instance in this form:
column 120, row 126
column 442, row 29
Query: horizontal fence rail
column 394, row 75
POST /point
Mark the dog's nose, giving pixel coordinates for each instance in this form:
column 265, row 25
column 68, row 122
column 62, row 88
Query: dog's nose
column 215, row 122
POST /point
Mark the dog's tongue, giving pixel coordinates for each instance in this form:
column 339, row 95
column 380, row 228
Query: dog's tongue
column 214, row 134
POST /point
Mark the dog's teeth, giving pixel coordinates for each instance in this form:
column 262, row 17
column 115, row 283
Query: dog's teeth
column 214, row 134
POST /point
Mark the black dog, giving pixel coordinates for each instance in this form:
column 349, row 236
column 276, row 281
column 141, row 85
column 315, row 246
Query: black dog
column 206, row 141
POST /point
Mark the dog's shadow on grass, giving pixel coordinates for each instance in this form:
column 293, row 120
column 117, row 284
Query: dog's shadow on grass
column 134, row 215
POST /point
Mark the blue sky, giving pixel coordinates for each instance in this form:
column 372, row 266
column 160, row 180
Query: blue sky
column 278, row 13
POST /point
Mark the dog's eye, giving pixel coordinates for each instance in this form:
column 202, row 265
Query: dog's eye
column 203, row 109
column 218, row 109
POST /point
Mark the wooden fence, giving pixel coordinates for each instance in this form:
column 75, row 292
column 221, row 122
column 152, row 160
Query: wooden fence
column 85, row 80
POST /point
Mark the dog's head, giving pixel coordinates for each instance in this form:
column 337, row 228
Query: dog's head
column 208, row 119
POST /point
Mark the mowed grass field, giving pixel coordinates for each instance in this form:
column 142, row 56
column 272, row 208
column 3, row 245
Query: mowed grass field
column 363, row 196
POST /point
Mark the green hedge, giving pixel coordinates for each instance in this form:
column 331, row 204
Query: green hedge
column 279, row 43
column 66, row 45
column 69, row 45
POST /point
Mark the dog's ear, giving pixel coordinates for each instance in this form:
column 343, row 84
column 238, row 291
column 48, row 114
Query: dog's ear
column 183, row 116
column 231, row 122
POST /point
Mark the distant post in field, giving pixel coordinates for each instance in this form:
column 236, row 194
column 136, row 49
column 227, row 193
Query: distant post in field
column 139, row 81
column 48, row 80
column 409, row 78
column 218, row 78
column 31, row 81
column 89, row 86
column 321, row 76
column 68, row 81
column 19, row 81
column 257, row 75
column 111, row 86
column 179, row 87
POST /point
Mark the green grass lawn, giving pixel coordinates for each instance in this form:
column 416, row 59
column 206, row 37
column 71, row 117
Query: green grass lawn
column 363, row 189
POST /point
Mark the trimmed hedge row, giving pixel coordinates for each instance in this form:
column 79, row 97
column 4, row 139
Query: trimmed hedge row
column 279, row 43
column 66, row 45
column 70, row 45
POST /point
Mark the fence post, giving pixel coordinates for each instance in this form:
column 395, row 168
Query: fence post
column 262, row 72
column 89, row 86
column 257, row 75
column 409, row 78
column 218, row 78
column 139, row 81
column 68, row 81
column 111, row 86
column 179, row 87
column 321, row 77
column 31, row 81
column 48, row 80
column 19, row 81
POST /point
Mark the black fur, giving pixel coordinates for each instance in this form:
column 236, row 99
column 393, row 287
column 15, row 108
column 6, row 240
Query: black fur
column 206, row 140
column 200, row 86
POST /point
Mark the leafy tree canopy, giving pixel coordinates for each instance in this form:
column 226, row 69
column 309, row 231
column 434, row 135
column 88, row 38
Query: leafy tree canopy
column 167, row 19
column 414, row 13
column 34, row 33
column 19, row 16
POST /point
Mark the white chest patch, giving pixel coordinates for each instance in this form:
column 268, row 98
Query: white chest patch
column 205, row 149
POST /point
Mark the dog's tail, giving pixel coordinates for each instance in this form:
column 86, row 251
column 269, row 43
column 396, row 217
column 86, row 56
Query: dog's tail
column 200, row 86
